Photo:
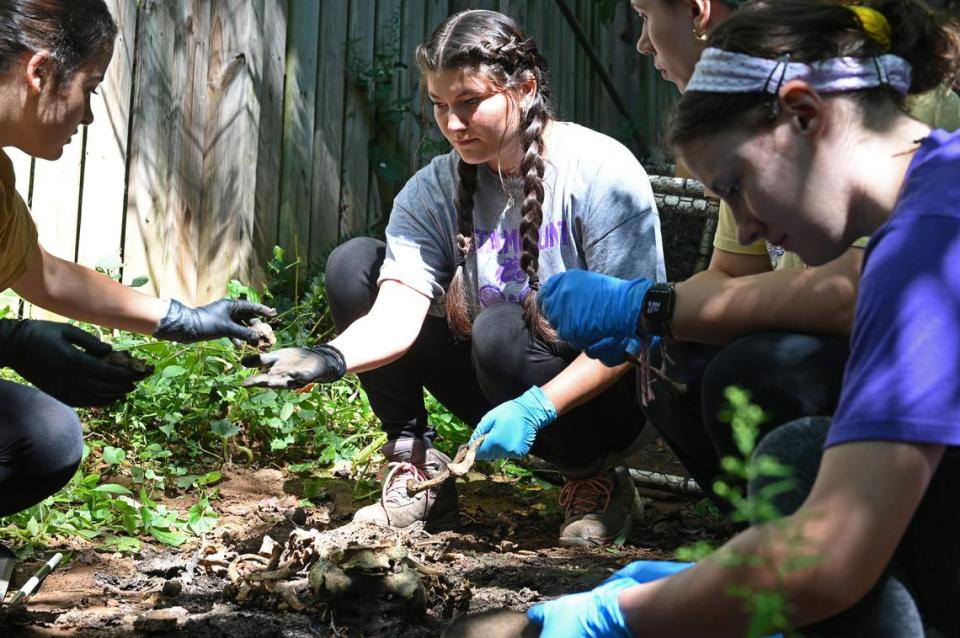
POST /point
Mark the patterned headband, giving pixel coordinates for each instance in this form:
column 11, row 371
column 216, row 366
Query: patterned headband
column 720, row 71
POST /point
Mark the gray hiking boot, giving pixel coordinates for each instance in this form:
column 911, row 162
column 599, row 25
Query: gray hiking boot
column 411, row 459
column 598, row 509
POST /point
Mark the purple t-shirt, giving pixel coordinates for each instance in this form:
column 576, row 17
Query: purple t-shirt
column 902, row 381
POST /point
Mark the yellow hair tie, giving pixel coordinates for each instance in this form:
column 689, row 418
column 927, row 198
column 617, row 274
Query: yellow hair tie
column 875, row 25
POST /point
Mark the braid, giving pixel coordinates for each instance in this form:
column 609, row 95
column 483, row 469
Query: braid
column 532, row 125
column 458, row 308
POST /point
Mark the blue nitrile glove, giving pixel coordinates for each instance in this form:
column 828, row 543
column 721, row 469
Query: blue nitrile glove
column 584, row 615
column 586, row 307
column 512, row 427
column 612, row 351
column 597, row 612
column 644, row 571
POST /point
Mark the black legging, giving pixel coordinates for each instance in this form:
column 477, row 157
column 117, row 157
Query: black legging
column 41, row 444
column 470, row 377
column 922, row 583
column 788, row 375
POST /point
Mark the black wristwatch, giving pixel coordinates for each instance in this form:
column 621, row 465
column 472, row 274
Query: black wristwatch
column 657, row 310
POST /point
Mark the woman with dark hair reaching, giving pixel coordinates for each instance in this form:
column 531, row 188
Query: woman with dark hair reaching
column 53, row 56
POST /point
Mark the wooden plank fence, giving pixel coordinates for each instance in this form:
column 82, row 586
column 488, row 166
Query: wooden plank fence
column 225, row 127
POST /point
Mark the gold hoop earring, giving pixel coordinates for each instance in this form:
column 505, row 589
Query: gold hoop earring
column 698, row 31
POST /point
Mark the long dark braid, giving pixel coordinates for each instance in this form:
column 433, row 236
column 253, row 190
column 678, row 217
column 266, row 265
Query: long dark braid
column 495, row 45
column 458, row 307
column 532, row 125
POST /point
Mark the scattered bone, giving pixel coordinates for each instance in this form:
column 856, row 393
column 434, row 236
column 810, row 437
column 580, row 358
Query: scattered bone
column 233, row 571
column 265, row 336
column 461, row 464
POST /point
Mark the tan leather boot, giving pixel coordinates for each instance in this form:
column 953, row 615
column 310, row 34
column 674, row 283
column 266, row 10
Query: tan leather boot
column 598, row 509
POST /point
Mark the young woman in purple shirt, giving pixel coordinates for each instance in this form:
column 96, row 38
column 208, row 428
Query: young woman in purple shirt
column 794, row 115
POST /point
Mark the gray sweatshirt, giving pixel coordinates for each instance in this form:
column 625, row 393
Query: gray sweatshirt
column 598, row 214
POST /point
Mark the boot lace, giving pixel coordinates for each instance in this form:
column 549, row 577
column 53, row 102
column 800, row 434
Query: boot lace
column 584, row 496
column 395, row 483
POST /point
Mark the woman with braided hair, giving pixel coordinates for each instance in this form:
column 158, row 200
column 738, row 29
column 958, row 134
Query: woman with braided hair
column 448, row 303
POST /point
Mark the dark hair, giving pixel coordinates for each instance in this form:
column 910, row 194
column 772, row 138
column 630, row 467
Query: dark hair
column 494, row 44
column 74, row 31
column 811, row 30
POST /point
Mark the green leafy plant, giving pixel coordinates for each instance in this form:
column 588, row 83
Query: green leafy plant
column 769, row 609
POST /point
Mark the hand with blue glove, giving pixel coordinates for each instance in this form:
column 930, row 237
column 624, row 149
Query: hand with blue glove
column 613, row 351
column 587, row 307
column 593, row 613
column 512, row 427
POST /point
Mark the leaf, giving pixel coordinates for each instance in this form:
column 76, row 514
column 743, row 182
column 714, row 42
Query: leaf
column 209, row 478
column 281, row 444
column 123, row 544
column 167, row 537
column 201, row 518
column 113, row 488
column 183, row 482
column 173, row 371
column 113, row 455
column 224, row 428
column 286, row 411
column 140, row 281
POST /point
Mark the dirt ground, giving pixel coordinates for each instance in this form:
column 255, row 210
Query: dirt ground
column 503, row 555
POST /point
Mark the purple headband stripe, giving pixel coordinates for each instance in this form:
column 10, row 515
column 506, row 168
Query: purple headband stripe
column 720, row 71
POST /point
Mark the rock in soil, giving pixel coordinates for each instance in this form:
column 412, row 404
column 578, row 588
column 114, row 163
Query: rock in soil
column 158, row 621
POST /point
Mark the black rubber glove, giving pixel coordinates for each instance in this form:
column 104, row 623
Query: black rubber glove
column 224, row 318
column 64, row 361
column 296, row 367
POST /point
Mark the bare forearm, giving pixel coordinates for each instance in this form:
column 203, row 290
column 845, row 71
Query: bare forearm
column 820, row 560
column 581, row 381
column 701, row 601
column 387, row 331
column 714, row 308
column 367, row 345
column 81, row 293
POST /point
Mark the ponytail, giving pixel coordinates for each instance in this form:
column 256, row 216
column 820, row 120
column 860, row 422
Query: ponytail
column 813, row 30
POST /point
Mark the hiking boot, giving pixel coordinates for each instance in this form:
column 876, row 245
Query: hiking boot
column 598, row 509
column 407, row 459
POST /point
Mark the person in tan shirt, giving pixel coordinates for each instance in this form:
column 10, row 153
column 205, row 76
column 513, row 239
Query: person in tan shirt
column 757, row 317
column 53, row 56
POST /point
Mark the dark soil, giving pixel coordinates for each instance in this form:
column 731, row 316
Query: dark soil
column 503, row 555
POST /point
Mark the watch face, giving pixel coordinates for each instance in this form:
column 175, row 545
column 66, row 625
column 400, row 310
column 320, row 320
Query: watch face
column 657, row 307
